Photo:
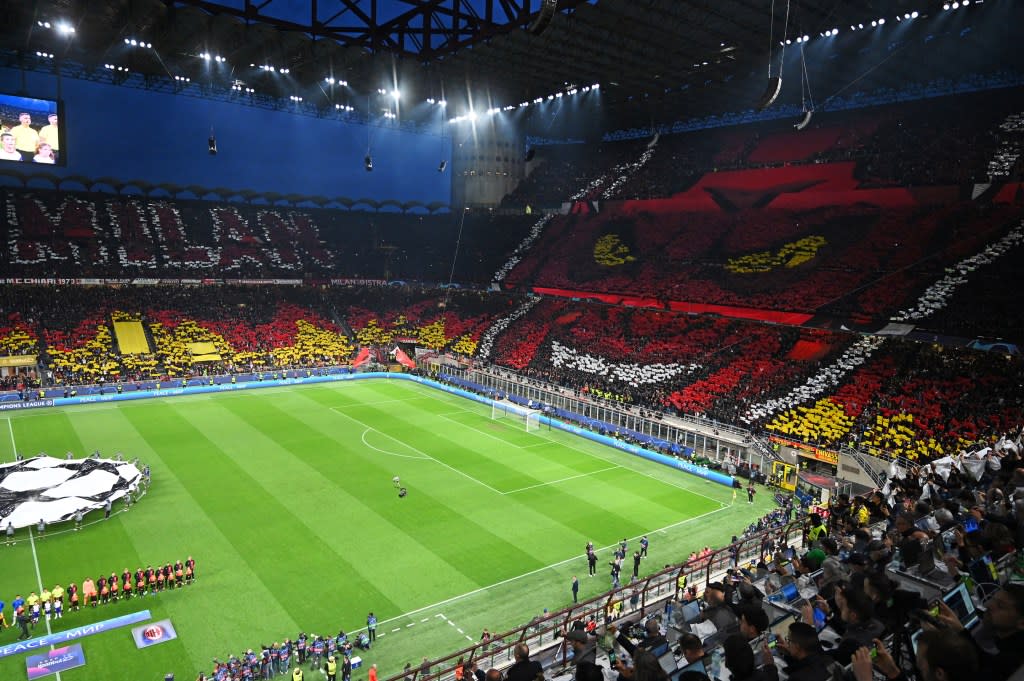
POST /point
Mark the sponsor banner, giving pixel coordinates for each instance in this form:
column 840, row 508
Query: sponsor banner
column 264, row 282
column 360, row 282
column 18, row 361
column 149, row 282
column 810, row 451
column 55, row 661
column 154, row 633
column 71, row 634
column 25, row 404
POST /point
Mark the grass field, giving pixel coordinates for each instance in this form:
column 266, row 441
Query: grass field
column 284, row 497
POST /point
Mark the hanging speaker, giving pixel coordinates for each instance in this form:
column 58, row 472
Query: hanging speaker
column 805, row 121
column 544, row 17
column 530, row 153
column 770, row 94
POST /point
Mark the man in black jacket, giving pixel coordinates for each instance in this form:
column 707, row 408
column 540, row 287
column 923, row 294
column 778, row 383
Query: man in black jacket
column 806, row 661
column 524, row 668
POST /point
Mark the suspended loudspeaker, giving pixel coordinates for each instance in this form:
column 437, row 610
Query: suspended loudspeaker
column 805, row 122
column 530, row 153
column 770, row 94
column 212, row 144
column 442, row 166
column 368, row 163
column 547, row 12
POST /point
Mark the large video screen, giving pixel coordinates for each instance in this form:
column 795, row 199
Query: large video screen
column 31, row 130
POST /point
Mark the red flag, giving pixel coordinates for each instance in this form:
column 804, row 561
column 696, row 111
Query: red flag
column 403, row 359
column 362, row 358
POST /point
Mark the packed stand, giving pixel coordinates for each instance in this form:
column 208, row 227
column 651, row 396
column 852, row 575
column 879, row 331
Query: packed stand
column 922, row 579
column 661, row 360
column 856, row 261
column 77, row 234
column 202, row 331
column 911, row 400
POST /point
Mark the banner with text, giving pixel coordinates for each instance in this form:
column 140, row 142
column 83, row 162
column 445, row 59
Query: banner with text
column 71, row 634
column 55, row 661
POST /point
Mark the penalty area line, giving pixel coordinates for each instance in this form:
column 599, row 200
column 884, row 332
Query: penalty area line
column 510, row 580
column 418, row 451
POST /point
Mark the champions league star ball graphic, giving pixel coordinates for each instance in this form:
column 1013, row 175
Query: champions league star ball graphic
column 53, row 490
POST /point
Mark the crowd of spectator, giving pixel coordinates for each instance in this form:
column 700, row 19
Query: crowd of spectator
column 247, row 329
column 842, row 607
column 77, row 234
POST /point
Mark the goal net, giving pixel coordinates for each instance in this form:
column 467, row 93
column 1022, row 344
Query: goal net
column 503, row 409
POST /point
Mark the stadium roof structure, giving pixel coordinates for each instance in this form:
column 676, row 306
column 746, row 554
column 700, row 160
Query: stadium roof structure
column 707, row 55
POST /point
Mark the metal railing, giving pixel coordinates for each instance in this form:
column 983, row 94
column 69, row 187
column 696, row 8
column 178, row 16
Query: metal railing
column 639, row 599
column 707, row 438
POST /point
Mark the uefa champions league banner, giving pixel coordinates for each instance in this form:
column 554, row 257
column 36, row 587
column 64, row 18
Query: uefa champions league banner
column 55, row 661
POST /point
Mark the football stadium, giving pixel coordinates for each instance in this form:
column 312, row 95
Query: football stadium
column 511, row 340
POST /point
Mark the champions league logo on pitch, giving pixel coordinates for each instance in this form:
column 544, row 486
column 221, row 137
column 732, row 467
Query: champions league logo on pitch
column 152, row 634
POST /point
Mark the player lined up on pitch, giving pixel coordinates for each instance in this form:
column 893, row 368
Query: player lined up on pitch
column 50, row 603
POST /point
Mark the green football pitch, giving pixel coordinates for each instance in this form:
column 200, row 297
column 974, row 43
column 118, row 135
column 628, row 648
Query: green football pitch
column 284, row 497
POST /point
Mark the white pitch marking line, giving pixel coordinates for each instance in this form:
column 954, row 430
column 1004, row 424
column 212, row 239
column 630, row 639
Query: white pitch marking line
column 35, row 555
column 473, row 428
column 410, row 624
column 371, row 404
column 14, row 446
column 469, row 638
column 394, row 630
column 646, row 475
column 548, row 440
column 560, row 563
column 425, row 619
column 422, row 453
column 460, row 631
column 555, row 482
column 384, row 451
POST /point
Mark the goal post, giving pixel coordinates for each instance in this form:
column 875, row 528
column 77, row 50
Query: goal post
column 504, row 409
